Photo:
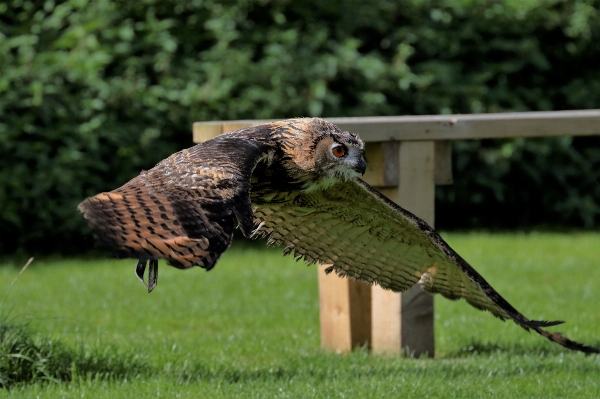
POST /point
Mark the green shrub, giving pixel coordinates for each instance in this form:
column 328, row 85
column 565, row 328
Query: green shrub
column 550, row 183
column 91, row 92
column 21, row 359
column 27, row 358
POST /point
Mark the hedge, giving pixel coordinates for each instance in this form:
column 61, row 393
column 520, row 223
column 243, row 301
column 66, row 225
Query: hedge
column 91, row 92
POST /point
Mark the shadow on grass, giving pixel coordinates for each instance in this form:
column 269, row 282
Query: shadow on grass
column 27, row 358
column 478, row 348
column 477, row 360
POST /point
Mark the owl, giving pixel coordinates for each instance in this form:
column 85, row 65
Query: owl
column 296, row 182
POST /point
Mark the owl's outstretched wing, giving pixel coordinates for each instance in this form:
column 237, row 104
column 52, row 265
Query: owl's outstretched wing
column 365, row 236
column 185, row 208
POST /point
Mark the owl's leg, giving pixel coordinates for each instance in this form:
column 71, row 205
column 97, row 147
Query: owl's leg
column 152, row 273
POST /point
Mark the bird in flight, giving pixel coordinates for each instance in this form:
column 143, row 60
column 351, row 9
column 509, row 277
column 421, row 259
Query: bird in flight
column 296, row 182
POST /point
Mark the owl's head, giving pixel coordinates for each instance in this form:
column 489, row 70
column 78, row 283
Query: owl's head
column 318, row 153
column 338, row 154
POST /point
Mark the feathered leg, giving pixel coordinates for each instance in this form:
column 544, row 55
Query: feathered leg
column 152, row 274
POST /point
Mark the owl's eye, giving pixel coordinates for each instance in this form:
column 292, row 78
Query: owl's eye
column 339, row 151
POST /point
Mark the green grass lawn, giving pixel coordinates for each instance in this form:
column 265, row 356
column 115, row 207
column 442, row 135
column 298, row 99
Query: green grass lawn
column 249, row 328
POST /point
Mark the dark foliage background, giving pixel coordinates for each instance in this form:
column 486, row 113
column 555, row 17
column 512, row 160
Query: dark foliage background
column 91, row 92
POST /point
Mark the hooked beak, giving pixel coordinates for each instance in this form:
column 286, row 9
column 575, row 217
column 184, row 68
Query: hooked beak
column 361, row 166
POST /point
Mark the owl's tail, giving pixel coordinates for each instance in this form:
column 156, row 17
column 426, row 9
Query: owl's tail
column 139, row 224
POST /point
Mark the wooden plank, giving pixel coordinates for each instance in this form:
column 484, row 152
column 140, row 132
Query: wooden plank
column 443, row 162
column 382, row 164
column 334, row 311
column 474, row 126
column 344, row 312
column 404, row 322
column 467, row 126
column 359, row 296
column 233, row 126
column 204, row 131
column 386, row 323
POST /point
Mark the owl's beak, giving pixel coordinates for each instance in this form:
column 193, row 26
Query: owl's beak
column 361, row 166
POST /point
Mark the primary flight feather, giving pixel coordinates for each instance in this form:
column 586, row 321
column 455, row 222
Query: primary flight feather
column 297, row 183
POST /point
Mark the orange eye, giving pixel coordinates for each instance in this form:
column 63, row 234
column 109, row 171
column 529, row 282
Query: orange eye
column 339, row 151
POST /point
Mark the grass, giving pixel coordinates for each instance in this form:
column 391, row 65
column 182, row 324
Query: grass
column 250, row 328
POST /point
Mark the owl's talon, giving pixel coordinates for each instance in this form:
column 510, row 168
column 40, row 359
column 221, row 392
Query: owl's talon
column 140, row 269
column 152, row 274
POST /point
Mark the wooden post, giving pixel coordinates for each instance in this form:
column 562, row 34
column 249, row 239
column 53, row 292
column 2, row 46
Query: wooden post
column 403, row 323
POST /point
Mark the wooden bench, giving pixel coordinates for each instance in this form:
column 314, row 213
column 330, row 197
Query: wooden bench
column 407, row 156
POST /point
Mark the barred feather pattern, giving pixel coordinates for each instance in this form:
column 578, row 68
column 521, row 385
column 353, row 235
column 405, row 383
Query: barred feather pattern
column 185, row 208
column 365, row 236
column 139, row 223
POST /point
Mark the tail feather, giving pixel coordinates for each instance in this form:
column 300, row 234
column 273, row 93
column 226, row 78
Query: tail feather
column 138, row 224
column 543, row 323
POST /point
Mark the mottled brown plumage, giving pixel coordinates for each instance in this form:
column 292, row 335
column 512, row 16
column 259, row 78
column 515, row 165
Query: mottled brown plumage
column 295, row 182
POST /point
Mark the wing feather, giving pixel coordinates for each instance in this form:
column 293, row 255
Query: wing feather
column 365, row 236
column 185, row 208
